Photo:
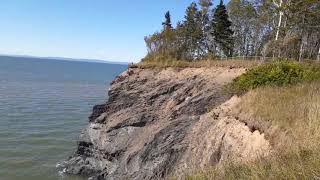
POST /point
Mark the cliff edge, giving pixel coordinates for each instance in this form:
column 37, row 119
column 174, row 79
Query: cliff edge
column 161, row 123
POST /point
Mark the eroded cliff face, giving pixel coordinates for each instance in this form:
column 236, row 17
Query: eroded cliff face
column 159, row 123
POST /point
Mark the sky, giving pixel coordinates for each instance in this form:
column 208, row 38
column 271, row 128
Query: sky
column 110, row 30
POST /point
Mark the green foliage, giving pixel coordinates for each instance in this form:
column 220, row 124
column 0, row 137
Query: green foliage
column 243, row 16
column 243, row 28
column 167, row 23
column 221, row 29
column 191, row 32
column 276, row 74
column 205, row 44
column 189, row 40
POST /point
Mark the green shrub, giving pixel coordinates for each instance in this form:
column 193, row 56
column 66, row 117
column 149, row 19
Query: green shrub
column 276, row 74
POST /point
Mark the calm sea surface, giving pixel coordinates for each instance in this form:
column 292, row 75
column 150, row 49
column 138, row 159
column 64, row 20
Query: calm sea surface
column 44, row 104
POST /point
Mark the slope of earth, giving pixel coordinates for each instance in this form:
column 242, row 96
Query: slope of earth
column 157, row 123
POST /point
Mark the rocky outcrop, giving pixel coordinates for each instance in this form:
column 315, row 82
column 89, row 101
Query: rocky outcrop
column 158, row 123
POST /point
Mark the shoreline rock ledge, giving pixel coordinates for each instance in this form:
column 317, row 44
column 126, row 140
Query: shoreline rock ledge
column 159, row 123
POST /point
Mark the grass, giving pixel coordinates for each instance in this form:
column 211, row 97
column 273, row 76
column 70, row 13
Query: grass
column 197, row 64
column 294, row 111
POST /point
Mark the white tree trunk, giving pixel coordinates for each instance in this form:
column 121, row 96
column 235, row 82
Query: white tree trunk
column 302, row 46
column 280, row 17
column 279, row 25
column 318, row 57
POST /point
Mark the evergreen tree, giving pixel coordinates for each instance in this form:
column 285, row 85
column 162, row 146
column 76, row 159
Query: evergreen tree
column 192, row 31
column 167, row 23
column 221, row 30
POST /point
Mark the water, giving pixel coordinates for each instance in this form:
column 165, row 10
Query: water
column 44, row 104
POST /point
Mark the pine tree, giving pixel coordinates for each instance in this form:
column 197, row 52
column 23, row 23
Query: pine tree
column 192, row 31
column 167, row 23
column 221, row 29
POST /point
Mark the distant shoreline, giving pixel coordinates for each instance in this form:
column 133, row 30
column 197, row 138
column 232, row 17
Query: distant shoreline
column 63, row 59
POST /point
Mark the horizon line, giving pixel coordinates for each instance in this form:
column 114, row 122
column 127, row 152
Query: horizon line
column 67, row 58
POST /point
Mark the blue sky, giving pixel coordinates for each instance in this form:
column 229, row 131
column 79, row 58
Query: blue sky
column 95, row 29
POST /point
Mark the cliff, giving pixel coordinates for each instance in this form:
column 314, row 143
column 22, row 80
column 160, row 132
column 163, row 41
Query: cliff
column 165, row 122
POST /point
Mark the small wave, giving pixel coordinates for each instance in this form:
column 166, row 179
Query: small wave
column 58, row 165
column 61, row 169
column 62, row 173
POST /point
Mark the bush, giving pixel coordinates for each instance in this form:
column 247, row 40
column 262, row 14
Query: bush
column 276, row 74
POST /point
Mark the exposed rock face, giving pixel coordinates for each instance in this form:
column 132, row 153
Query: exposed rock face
column 157, row 123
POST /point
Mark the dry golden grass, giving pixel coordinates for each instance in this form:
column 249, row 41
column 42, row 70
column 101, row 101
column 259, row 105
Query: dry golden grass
column 197, row 64
column 295, row 111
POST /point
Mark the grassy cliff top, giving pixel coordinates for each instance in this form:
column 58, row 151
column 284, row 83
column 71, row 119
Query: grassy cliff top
column 198, row 64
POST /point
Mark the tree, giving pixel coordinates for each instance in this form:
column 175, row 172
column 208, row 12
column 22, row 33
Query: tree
column 221, row 30
column 192, row 32
column 163, row 44
column 167, row 23
column 243, row 16
column 279, row 6
column 206, row 42
column 304, row 22
column 278, row 28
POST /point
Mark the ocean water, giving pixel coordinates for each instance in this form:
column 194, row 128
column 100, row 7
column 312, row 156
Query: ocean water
column 44, row 104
